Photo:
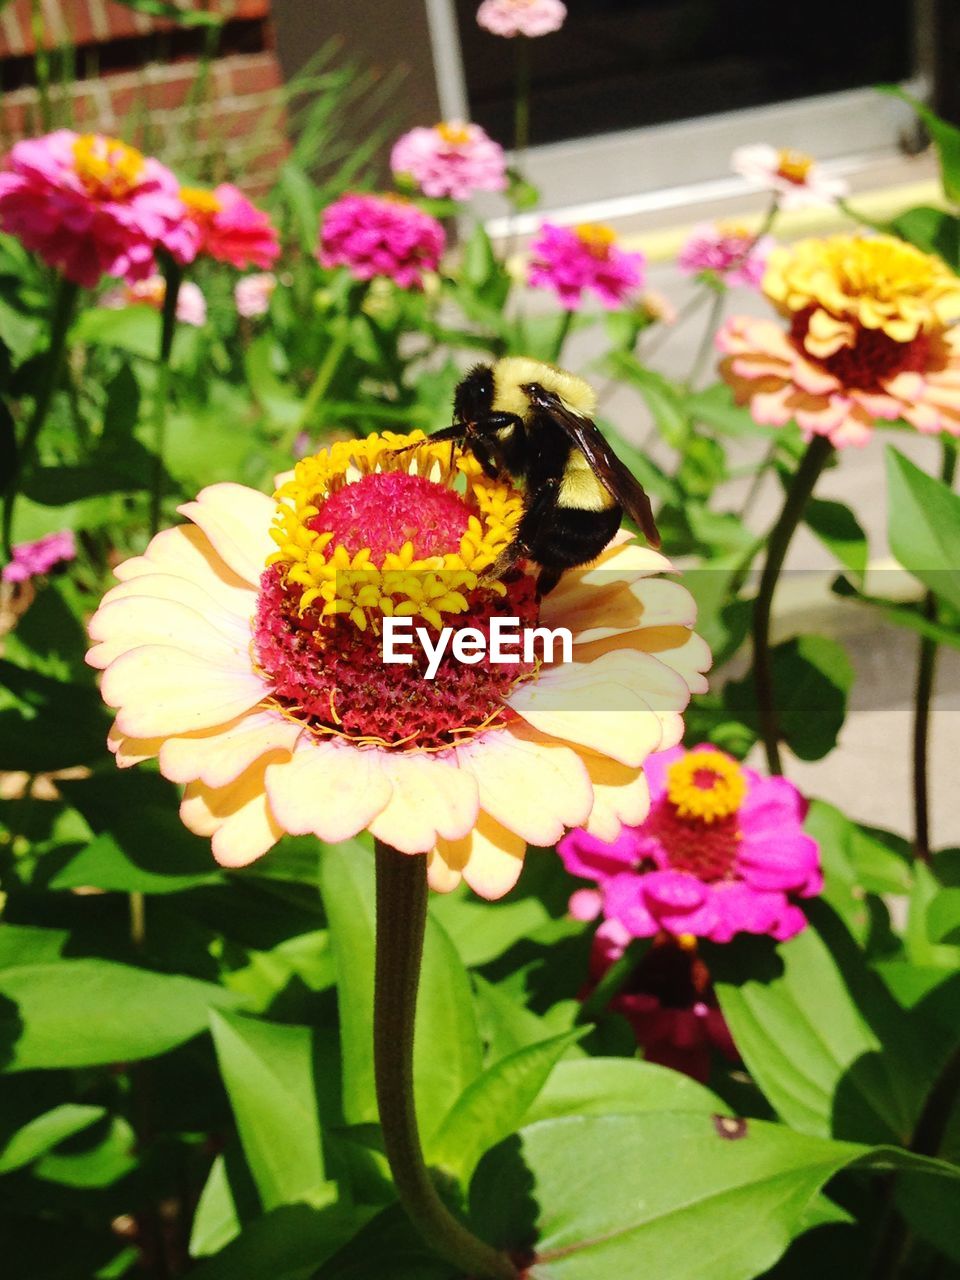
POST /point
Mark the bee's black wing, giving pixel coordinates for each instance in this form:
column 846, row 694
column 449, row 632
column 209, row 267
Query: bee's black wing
column 604, row 463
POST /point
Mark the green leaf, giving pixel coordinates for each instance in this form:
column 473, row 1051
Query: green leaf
column 28, row 944
column 132, row 329
column 265, row 371
column 839, row 530
column 494, row 1104
column 104, row 864
column 946, row 138
column 943, row 916
column 288, row 1243
column 923, row 525
column 911, row 616
column 39, row 1135
column 447, row 1050
column 479, row 934
column 808, row 672
column 479, row 260
column 48, row 724
column 658, row 1194
column 715, row 407
column 932, row 230
column 269, row 1072
column 664, row 398
column 388, row 1248
column 821, row 1035
column 78, row 1013
column 624, row 1086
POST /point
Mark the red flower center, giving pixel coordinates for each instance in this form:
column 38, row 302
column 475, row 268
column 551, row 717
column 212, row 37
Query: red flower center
column 329, row 674
column 874, row 358
column 706, row 850
column 390, row 508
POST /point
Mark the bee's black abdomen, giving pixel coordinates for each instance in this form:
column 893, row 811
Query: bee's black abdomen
column 566, row 537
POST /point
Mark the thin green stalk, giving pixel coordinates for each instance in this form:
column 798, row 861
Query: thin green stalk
column 401, row 919
column 320, row 385
column 41, row 63
column 613, row 981
column 563, row 332
column 64, row 303
column 521, row 100
column 173, row 276
column 706, row 342
column 894, row 1236
column 926, row 674
column 801, row 487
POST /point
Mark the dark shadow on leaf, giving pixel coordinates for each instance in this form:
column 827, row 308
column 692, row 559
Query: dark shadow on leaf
column 747, row 958
column 503, row 1207
column 11, row 1028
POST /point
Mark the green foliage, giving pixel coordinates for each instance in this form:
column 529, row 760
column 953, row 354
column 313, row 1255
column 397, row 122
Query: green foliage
column 186, row 1049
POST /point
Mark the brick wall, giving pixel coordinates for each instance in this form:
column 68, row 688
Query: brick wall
column 140, row 78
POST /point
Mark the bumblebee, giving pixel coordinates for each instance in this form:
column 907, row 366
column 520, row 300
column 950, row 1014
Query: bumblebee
column 534, row 422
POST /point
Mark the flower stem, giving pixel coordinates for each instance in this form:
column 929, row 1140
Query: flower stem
column 563, row 332
column 64, row 302
column 320, row 385
column 926, row 672
column 706, row 342
column 401, row 919
column 521, row 101
column 801, row 487
column 173, row 276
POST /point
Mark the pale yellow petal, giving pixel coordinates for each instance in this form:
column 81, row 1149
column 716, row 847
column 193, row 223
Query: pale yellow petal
column 443, row 876
column 130, row 751
column 237, row 816
column 218, row 756
column 683, row 651
column 224, row 607
column 328, row 789
column 237, row 521
column 595, row 613
column 621, row 796
column 532, row 785
column 139, row 620
column 490, row 857
column 184, row 552
column 623, row 562
column 432, row 799
column 162, row 691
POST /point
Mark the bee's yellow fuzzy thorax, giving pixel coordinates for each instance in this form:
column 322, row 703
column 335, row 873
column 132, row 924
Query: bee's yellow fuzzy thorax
column 513, row 372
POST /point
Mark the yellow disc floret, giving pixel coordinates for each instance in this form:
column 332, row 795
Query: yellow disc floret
column 705, row 784
column 366, row 585
column 794, row 166
column 200, row 202
column 107, row 167
column 869, row 282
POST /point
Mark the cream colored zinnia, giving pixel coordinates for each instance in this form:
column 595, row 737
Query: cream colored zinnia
column 243, row 651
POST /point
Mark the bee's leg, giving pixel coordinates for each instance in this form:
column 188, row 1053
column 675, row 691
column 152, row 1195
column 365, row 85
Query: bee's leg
column 529, row 533
column 547, row 580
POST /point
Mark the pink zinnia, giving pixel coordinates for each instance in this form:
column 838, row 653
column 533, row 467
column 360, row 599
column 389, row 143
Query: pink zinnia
column 252, row 294
column 33, row 558
column 521, row 17
column 722, row 851
column 230, row 228
column 729, row 251
column 572, row 260
column 452, row 160
column 380, row 236
column 92, row 206
column 668, row 1000
column 191, row 304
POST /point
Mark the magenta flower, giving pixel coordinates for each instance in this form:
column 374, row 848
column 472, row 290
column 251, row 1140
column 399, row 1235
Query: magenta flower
column 722, row 851
column 668, row 1000
column 252, row 294
column 732, row 252
column 521, row 17
column 452, row 160
column 572, row 260
column 374, row 235
column 33, row 558
column 231, row 229
column 92, row 206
